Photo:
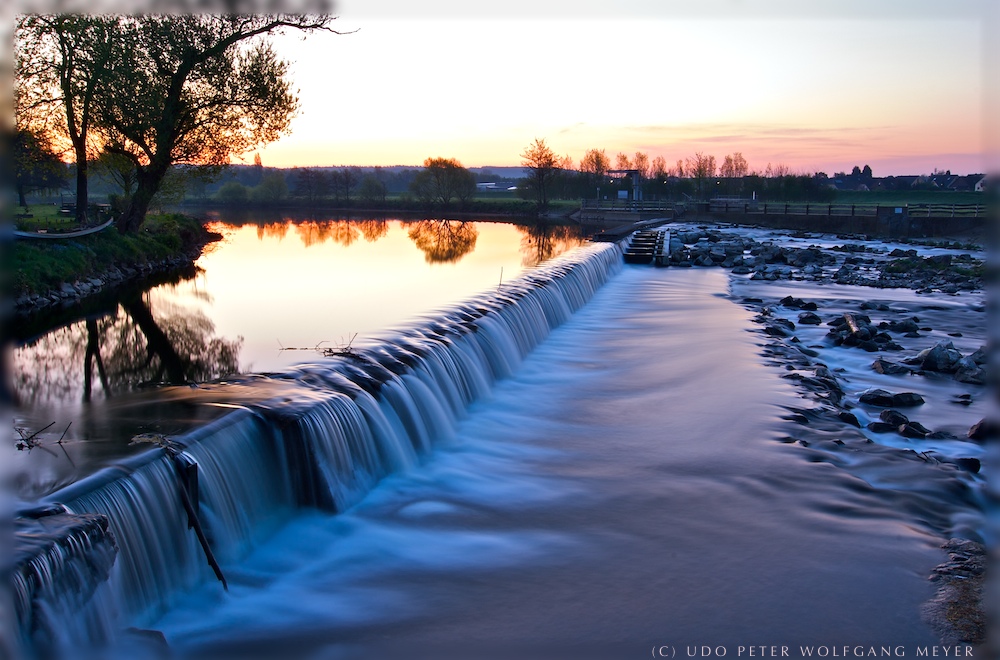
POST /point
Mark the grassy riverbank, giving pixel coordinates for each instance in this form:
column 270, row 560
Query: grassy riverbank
column 38, row 266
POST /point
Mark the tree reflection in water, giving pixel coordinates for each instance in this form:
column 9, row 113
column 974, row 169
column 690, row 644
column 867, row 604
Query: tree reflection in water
column 129, row 348
column 444, row 241
column 373, row 230
column 275, row 230
column 543, row 241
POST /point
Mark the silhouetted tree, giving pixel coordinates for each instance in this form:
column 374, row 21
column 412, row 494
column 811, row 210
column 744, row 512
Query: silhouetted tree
column 372, row 190
column 442, row 180
column 701, row 168
column 63, row 62
column 161, row 89
column 232, row 192
column 594, row 167
column 271, row 189
column 734, row 168
column 542, row 165
column 34, row 165
column 310, row 184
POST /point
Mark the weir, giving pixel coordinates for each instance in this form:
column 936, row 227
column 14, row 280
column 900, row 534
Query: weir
column 115, row 549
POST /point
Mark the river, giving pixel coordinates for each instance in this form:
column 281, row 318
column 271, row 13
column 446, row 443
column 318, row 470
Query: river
column 588, row 460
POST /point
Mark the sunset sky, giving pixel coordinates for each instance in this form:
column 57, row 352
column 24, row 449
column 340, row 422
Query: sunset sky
column 901, row 86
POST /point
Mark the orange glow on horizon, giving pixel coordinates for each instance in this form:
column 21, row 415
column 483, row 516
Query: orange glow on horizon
column 903, row 94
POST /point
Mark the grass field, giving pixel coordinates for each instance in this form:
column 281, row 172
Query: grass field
column 43, row 216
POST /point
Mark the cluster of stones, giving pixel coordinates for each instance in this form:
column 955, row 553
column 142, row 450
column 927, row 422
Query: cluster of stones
column 745, row 256
column 858, row 330
column 850, row 263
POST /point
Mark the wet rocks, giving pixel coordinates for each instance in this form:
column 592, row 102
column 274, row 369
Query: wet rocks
column 857, row 330
column 810, row 318
column 849, row 418
column 942, row 357
column 876, row 397
column 972, row 465
column 886, row 399
column 893, row 418
column 904, row 326
column 967, row 371
column 798, row 303
column 881, row 427
column 984, row 429
column 907, row 399
column 914, row 430
column 888, row 368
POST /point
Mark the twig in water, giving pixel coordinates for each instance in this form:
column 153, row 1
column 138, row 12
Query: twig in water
column 501, row 279
column 341, row 350
column 28, row 441
column 59, row 442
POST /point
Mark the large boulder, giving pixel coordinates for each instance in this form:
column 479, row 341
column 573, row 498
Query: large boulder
column 943, row 357
column 884, row 399
column 876, row 397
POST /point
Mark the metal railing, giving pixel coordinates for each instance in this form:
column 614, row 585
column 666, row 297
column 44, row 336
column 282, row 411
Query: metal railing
column 849, row 210
column 625, row 205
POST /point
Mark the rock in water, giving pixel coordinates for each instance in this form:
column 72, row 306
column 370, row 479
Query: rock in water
column 881, row 427
column 880, row 397
column 907, row 399
column 889, row 368
column 968, row 371
column 914, row 430
column 893, row 417
column 984, row 429
column 943, row 357
column 849, row 418
column 971, row 464
column 877, row 397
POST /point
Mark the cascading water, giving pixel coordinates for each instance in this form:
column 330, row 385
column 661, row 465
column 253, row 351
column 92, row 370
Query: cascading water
column 349, row 422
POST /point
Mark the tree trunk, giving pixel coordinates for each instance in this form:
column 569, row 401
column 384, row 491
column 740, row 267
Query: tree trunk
column 148, row 183
column 80, row 148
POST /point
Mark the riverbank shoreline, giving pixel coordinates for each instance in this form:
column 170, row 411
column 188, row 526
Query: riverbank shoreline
column 94, row 265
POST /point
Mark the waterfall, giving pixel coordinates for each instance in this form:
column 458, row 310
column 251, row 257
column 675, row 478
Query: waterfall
column 348, row 422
